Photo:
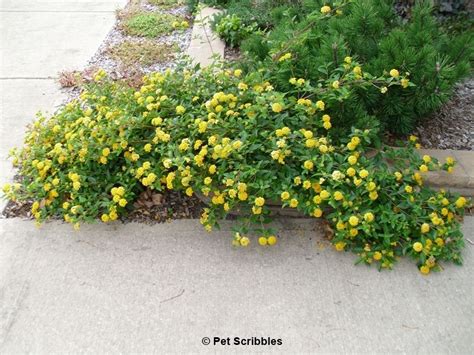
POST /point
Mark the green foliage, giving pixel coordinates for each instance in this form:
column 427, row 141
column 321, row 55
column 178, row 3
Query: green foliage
column 148, row 24
column 231, row 29
column 264, row 13
column 216, row 3
column 370, row 31
column 192, row 5
column 239, row 143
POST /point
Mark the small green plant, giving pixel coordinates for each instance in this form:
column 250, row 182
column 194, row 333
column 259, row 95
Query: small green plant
column 232, row 30
column 144, row 53
column 148, row 24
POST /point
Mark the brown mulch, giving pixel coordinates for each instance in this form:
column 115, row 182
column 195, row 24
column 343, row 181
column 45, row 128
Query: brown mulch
column 158, row 207
column 21, row 209
column 150, row 207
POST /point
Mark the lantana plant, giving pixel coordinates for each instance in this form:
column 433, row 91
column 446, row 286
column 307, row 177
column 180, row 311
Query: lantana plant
column 240, row 145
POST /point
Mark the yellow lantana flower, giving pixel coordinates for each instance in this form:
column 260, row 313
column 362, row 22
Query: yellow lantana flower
column 325, row 9
column 308, row 165
column 259, row 201
column 277, row 107
column 353, row 221
column 425, row 228
column 317, row 212
column 417, row 247
column 461, row 202
column 352, row 159
column 271, row 240
column 394, row 73
column 369, row 217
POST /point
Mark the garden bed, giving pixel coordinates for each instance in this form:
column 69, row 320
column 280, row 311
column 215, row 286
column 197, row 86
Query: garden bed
column 128, row 57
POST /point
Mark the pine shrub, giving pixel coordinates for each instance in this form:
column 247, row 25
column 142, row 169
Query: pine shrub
column 372, row 32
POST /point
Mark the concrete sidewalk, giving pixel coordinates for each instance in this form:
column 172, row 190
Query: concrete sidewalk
column 162, row 288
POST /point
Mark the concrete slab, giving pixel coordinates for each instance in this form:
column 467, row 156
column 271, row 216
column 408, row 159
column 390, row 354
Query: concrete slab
column 39, row 45
column 162, row 288
column 63, row 5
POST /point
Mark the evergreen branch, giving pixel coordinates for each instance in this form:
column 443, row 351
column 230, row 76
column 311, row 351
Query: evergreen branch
column 462, row 51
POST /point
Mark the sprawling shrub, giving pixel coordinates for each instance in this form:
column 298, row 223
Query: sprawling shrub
column 233, row 139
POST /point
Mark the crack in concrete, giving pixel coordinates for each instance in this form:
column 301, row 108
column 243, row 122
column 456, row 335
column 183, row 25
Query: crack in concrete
column 10, row 311
column 12, row 315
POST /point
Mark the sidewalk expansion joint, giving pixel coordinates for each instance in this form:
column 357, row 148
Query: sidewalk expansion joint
column 59, row 11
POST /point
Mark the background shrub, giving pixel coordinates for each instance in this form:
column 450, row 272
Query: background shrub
column 167, row 4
